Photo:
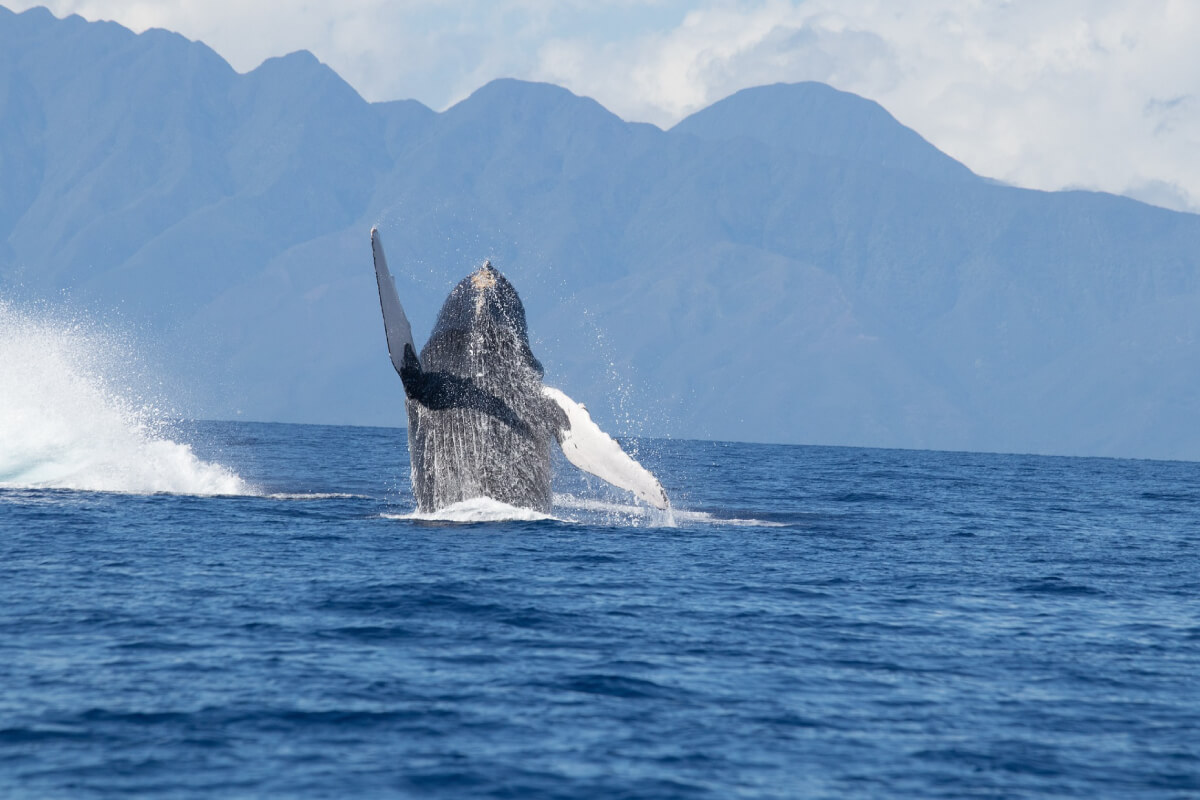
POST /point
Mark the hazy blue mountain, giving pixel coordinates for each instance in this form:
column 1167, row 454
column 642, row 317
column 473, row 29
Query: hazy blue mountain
column 819, row 120
column 790, row 264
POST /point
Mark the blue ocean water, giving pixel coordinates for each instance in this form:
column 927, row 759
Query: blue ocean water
column 821, row 622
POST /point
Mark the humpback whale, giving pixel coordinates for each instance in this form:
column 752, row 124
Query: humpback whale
column 480, row 421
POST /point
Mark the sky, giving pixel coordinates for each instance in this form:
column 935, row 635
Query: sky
column 1046, row 94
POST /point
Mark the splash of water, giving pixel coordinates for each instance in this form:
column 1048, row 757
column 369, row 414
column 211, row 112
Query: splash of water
column 478, row 509
column 595, row 511
column 573, row 509
column 643, row 515
column 66, row 421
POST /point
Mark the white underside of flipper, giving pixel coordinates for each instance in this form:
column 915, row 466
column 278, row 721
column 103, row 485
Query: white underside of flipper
column 595, row 452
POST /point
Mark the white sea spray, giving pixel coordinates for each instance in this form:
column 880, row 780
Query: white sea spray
column 69, row 418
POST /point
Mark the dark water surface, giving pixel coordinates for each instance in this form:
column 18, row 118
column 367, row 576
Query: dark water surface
column 871, row 624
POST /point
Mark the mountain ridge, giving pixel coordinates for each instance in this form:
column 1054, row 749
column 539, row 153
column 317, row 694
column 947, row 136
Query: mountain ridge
column 791, row 264
column 867, row 128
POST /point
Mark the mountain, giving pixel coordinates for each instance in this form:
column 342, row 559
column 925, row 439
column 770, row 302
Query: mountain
column 790, row 264
column 819, row 120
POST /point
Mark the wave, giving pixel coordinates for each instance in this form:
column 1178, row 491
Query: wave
column 68, row 419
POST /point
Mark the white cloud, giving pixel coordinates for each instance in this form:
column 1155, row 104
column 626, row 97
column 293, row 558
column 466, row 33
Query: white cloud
column 1061, row 93
column 1047, row 95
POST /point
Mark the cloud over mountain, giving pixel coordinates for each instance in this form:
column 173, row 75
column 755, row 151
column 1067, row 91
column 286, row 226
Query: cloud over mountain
column 1050, row 95
column 788, row 264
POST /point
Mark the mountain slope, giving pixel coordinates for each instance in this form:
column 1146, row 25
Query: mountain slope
column 819, row 120
column 790, row 264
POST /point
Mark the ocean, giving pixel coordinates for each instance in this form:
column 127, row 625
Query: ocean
column 816, row 622
column 243, row 610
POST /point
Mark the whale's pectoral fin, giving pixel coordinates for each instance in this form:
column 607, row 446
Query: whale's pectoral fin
column 411, row 375
column 395, row 323
column 594, row 451
column 442, row 390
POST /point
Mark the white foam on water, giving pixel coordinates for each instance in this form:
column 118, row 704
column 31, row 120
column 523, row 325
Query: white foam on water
column 635, row 514
column 705, row 518
column 69, row 421
column 478, row 509
column 485, row 509
column 611, row 513
column 314, row 496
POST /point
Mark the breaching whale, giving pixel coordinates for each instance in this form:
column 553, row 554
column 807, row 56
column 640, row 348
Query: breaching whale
column 480, row 421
